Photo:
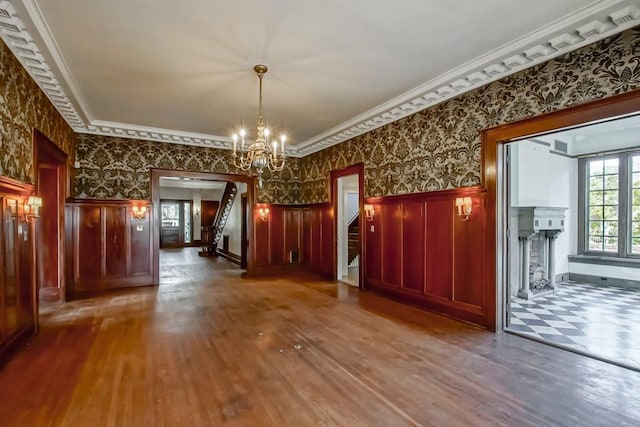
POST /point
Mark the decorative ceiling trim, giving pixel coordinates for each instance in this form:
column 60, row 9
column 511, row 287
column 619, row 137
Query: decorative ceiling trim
column 588, row 25
column 13, row 32
column 124, row 130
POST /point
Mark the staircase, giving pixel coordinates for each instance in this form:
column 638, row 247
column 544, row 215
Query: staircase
column 353, row 240
column 212, row 234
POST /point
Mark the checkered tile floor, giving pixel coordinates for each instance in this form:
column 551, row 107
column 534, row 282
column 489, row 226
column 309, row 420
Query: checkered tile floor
column 604, row 321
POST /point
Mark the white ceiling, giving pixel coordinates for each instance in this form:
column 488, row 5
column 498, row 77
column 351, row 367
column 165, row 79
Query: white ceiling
column 182, row 71
column 191, row 183
column 610, row 135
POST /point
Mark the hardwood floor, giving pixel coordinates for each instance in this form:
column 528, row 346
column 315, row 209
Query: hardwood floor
column 210, row 347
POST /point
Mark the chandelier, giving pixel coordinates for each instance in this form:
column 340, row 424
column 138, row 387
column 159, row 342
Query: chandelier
column 263, row 152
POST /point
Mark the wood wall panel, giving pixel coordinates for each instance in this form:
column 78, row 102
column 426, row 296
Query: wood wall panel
column 106, row 247
column 89, row 242
column 439, row 253
column 468, row 257
column 18, row 302
column 261, row 240
column 427, row 255
column 305, row 230
column 413, row 245
column 326, row 242
column 373, row 250
column 276, row 235
column 391, row 218
column 49, row 227
column 140, row 236
column 292, row 232
column 305, row 256
column 116, row 244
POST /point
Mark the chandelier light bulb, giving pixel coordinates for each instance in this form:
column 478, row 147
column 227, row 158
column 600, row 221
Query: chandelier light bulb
column 242, row 133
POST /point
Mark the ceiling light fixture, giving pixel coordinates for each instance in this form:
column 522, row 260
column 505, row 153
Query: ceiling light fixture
column 259, row 154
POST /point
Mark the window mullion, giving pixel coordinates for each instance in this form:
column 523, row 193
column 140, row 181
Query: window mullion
column 583, row 206
column 624, row 193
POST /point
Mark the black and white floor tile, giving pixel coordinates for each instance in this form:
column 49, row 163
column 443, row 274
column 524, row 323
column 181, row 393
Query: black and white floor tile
column 604, row 321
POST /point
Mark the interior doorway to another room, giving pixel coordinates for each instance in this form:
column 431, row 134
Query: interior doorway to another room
column 176, row 224
column 347, row 199
column 203, row 211
column 51, row 186
column 572, row 215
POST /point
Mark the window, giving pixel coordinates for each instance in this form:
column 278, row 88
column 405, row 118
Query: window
column 611, row 203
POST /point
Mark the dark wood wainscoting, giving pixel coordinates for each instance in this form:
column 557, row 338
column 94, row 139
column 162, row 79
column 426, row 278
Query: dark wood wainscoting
column 106, row 247
column 418, row 250
column 294, row 236
column 18, row 302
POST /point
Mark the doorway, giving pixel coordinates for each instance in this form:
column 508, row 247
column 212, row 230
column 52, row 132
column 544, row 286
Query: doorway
column 51, row 186
column 348, row 202
column 176, row 223
column 573, row 271
column 500, row 251
column 348, row 230
column 185, row 202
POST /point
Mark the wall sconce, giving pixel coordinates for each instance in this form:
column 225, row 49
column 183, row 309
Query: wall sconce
column 196, row 211
column 31, row 208
column 369, row 213
column 464, row 206
column 12, row 204
column 264, row 213
column 138, row 212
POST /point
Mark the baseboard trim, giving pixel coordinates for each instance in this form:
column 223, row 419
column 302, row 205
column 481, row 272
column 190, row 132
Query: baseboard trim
column 229, row 256
column 604, row 281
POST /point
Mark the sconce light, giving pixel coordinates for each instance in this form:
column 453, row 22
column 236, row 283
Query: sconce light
column 464, row 206
column 13, row 207
column 369, row 213
column 138, row 212
column 31, row 208
column 264, row 213
column 196, row 211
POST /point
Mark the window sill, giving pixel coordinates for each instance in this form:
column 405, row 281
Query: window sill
column 605, row 260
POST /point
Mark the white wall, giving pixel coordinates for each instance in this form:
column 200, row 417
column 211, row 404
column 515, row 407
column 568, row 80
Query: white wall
column 614, row 272
column 540, row 178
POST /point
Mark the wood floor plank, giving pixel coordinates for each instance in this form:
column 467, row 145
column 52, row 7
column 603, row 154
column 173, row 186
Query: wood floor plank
column 211, row 347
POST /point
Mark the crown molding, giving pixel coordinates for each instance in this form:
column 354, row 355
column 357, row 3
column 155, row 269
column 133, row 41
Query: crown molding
column 588, row 25
column 592, row 23
column 15, row 35
column 125, row 130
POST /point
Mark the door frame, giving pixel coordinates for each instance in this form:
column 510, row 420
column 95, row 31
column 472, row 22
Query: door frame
column 357, row 169
column 181, row 221
column 493, row 175
column 244, row 233
column 155, row 175
column 48, row 155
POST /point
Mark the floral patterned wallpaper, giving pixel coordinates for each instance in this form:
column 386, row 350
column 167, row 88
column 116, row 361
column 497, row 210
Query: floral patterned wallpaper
column 23, row 106
column 118, row 168
column 440, row 147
